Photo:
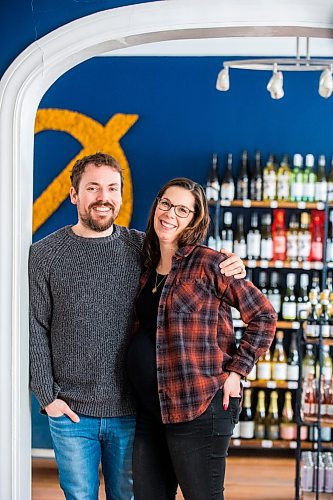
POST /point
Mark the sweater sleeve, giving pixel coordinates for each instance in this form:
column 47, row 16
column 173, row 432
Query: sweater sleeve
column 40, row 315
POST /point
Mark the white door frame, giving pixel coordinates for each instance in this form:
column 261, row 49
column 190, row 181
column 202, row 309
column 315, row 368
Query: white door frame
column 21, row 89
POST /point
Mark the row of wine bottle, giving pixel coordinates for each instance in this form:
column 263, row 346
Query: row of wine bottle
column 302, row 240
column 266, row 424
column 317, row 471
column 273, row 182
column 315, row 392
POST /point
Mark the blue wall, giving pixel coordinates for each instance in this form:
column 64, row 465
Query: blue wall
column 182, row 120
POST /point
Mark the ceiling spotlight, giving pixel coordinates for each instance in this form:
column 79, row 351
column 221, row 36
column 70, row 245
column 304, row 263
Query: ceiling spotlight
column 326, row 83
column 275, row 84
column 222, row 82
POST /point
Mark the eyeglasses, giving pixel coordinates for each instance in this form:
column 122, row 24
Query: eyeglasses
column 181, row 211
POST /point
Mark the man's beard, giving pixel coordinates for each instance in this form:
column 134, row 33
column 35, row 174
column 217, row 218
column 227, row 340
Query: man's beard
column 88, row 221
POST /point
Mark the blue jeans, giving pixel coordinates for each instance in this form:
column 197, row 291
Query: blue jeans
column 81, row 447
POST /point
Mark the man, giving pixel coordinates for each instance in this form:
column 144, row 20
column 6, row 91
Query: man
column 83, row 281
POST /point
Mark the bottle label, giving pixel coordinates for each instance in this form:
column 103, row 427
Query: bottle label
column 259, row 431
column 304, row 245
column 253, row 373
column 292, row 372
column 327, row 372
column 266, row 249
column 302, row 310
column 321, row 191
column 227, row 245
column 309, row 191
column 329, row 410
column 297, row 190
column 330, row 191
column 323, row 409
column 240, row 249
column 329, row 250
column 325, row 331
column 312, row 330
column 246, row 429
column 273, row 431
column 292, row 246
column 275, row 300
column 283, row 186
column 236, row 431
column 279, row 371
column 270, row 185
column 306, row 409
column 287, row 431
column 253, row 245
column 264, row 371
column 212, row 192
column 228, row 191
column 289, row 310
column 279, row 244
column 317, row 250
column 212, row 243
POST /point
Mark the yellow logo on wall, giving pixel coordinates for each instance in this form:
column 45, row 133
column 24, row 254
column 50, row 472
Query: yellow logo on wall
column 94, row 137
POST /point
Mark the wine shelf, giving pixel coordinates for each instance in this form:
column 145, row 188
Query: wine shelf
column 313, row 420
column 276, row 444
column 285, row 264
column 287, row 325
column 301, row 205
column 316, row 341
column 270, row 384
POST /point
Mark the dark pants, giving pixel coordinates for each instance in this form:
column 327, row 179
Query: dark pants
column 191, row 454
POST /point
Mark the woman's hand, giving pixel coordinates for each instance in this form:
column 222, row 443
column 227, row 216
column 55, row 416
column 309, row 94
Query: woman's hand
column 232, row 266
column 232, row 387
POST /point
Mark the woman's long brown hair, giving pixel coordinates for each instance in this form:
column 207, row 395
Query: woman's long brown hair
column 193, row 234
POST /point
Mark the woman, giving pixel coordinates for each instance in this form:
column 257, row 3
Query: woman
column 182, row 359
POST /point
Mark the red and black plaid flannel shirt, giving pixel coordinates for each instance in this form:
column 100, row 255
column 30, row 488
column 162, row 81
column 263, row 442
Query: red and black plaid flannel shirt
column 195, row 342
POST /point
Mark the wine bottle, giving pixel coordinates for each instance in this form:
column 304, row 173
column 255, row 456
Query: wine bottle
column 246, row 427
column 321, row 184
column 211, row 242
column 260, row 417
column 289, row 299
column 256, row 179
column 304, row 238
column 266, row 242
column 243, row 179
column 292, row 238
column 293, row 360
column 263, row 282
column 315, row 283
column 274, row 293
column 310, row 179
column 272, row 420
column 311, row 326
column 279, row 235
column 227, row 184
column 279, row 359
column 284, row 180
column 227, row 235
column 302, row 307
column 308, row 396
column 297, row 179
column 309, row 363
column 326, row 368
column 287, row 425
column 264, row 367
column 329, row 400
column 239, row 238
column 253, row 238
column 330, row 184
column 324, row 317
column 213, row 184
column 316, row 253
column 329, row 241
column 269, row 180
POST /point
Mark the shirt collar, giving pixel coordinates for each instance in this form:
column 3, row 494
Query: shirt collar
column 184, row 251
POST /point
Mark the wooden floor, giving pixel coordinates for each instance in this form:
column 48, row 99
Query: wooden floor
column 250, row 478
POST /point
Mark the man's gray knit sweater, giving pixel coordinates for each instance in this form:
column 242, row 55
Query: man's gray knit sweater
column 82, row 292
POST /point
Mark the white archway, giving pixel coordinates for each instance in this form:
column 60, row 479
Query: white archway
column 21, row 90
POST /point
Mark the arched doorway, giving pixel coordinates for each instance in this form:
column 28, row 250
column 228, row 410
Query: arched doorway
column 21, row 90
